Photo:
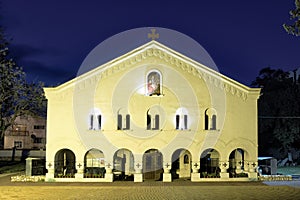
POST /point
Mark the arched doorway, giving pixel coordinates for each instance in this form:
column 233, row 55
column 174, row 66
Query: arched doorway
column 237, row 163
column 64, row 164
column 181, row 164
column 94, row 164
column 209, row 164
column 123, row 165
column 152, row 165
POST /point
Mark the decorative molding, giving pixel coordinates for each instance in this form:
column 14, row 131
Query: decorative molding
column 151, row 54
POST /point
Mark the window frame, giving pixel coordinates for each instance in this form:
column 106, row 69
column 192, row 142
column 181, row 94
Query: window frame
column 160, row 83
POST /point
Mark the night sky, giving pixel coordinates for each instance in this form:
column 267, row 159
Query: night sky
column 50, row 39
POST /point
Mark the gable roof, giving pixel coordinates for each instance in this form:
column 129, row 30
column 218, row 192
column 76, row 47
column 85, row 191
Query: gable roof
column 156, row 49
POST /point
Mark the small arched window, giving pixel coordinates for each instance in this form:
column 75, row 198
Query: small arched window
column 210, row 119
column 213, row 122
column 181, row 119
column 92, row 121
column 95, row 119
column 123, row 121
column 186, row 159
column 154, row 83
column 153, row 119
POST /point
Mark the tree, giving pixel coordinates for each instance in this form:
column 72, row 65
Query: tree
column 294, row 29
column 17, row 97
column 278, row 110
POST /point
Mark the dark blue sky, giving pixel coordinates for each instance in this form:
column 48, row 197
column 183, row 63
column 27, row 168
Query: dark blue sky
column 52, row 38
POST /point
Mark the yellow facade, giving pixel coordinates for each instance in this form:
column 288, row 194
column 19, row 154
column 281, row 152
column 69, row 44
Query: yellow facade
column 152, row 113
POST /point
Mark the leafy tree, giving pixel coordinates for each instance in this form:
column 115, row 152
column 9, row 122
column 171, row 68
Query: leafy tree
column 295, row 16
column 17, row 97
column 278, row 110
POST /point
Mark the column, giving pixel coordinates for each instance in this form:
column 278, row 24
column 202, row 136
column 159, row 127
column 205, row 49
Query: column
column 252, row 174
column 246, row 166
column 195, row 175
column 238, row 165
column 167, row 176
column 80, row 169
column 127, row 164
column 224, row 165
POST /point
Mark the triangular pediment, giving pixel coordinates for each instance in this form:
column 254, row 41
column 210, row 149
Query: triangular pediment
column 154, row 49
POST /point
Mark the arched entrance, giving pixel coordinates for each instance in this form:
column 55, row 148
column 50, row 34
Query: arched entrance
column 152, row 165
column 237, row 163
column 123, row 165
column 64, row 164
column 94, row 164
column 181, row 164
column 209, row 164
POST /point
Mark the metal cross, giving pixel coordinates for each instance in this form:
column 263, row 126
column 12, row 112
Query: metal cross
column 49, row 165
column 224, row 164
column 138, row 165
column 153, row 35
column 79, row 165
column 108, row 165
column 196, row 165
column 167, row 165
column 253, row 164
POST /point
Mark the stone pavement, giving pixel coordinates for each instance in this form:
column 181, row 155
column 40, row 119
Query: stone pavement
column 178, row 189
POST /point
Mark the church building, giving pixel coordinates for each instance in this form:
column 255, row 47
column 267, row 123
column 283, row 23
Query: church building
column 153, row 112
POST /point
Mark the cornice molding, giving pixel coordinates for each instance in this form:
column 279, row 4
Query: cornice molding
column 151, row 52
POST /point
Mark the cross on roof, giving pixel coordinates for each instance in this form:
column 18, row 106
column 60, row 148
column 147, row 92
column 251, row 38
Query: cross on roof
column 108, row 165
column 224, row 164
column 253, row 164
column 79, row 165
column 167, row 165
column 138, row 165
column 153, row 35
column 196, row 165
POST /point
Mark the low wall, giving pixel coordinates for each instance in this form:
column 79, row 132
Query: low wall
column 20, row 154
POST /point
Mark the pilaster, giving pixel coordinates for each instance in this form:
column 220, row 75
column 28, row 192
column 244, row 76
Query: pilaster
column 50, row 174
column 80, row 170
column 109, row 177
column 195, row 175
column 138, row 175
column 167, row 176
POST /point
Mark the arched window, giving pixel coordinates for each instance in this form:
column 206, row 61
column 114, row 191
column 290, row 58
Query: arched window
column 127, row 119
column 186, row 159
column 153, row 119
column 119, row 122
column 213, row 122
column 154, row 83
column 148, row 121
column 123, row 120
column 181, row 119
column 177, row 121
column 156, row 124
column 95, row 119
column 91, row 122
column 210, row 119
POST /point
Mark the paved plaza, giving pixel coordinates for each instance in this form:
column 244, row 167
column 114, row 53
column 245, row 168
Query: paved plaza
column 179, row 189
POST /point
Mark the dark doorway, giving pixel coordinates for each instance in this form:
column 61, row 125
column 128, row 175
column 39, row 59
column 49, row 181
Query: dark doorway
column 152, row 165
